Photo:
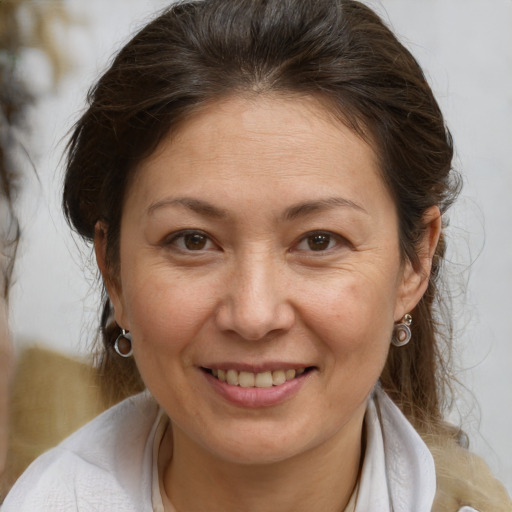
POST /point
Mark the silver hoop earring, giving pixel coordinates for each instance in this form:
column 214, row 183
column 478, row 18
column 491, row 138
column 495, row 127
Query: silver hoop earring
column 123, row 344
column 402, row 332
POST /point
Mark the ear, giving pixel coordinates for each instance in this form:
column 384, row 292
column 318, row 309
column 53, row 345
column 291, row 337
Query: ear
column 415, row 280
column 112, row 283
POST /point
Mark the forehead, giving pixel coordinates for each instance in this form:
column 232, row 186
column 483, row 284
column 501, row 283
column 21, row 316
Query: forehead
column 277, row 140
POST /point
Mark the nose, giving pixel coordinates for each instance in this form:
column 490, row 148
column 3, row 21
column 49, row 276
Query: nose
column 255, row 302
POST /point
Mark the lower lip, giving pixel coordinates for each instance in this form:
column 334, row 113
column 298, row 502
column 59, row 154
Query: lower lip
column 257, row 397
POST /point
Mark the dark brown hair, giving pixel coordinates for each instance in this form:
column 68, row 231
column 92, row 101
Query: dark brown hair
column 13, row 100
column 336, row 50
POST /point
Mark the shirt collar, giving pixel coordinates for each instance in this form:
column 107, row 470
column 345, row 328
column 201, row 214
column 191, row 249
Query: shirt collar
column 398, row 473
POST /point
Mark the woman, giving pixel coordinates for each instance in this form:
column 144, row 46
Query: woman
column 264, row 184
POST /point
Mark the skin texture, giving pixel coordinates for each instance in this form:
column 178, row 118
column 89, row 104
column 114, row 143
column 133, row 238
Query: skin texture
column 256, row 180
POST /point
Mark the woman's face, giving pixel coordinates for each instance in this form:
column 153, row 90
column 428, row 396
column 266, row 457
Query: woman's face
column 259, row 244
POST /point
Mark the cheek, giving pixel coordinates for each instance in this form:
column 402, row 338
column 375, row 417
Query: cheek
column 352, row 314
column 353, row 325
column 165, row 319
column 166, row 310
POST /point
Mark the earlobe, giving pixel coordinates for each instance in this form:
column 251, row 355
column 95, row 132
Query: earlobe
column 416, row 278
column 111, row 283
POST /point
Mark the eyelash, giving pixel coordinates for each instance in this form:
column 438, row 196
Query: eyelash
column 333, row 240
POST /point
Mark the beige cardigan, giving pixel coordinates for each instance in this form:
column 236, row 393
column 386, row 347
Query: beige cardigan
column 463, row 478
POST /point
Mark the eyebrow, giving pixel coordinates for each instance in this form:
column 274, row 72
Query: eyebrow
column 196, row 205
column 293, row 212
column 303, row 209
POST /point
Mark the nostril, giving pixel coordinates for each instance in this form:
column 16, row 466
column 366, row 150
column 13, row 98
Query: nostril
column 261, row 322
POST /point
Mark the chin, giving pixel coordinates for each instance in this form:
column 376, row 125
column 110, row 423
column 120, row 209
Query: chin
column 262, row 447
column 257, row 456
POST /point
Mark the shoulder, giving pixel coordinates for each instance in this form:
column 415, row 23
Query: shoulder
column 464, row 481
column 60, row 480
column 461, row 481
column 99, row 467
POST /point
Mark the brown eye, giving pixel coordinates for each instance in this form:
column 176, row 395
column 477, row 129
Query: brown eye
column 192, row 241
column 195, row 241
column 319, row 242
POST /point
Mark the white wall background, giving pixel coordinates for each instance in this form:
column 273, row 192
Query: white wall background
column 465, row 47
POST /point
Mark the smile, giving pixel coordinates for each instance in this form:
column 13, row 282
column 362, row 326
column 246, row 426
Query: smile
column 266, row 379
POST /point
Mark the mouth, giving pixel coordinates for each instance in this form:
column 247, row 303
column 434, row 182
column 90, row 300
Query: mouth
column 266, row 379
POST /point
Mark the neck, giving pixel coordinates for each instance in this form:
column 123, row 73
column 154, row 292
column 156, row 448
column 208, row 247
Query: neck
column 321, row 479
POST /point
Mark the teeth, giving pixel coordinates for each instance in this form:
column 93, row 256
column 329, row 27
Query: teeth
column 232, row 377
column 290, row 374
column 278, row 377
column 246, row 379
column 264, row 380
column 259, row 380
